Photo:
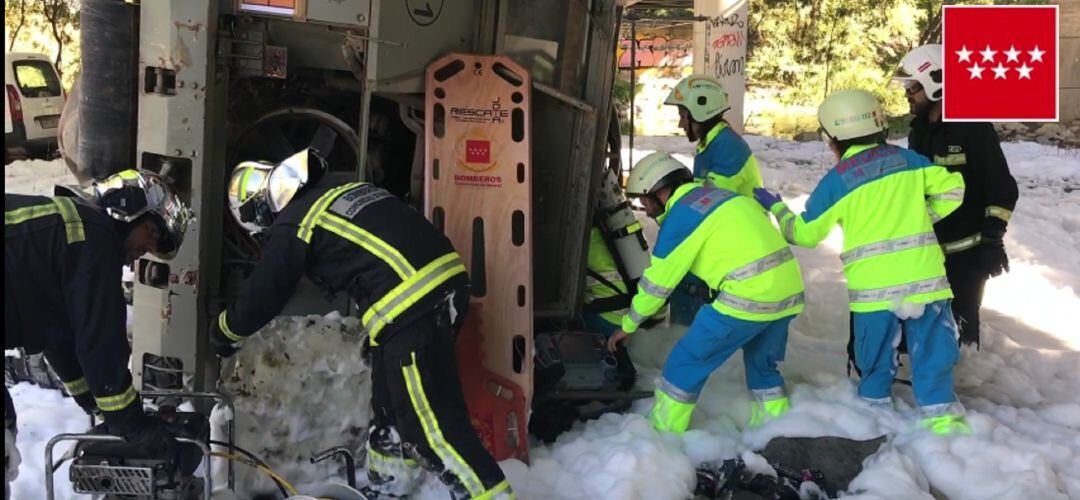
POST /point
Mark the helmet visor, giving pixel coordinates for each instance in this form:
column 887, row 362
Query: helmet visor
column 256, row 211
column 286, row 179
column 124, row 195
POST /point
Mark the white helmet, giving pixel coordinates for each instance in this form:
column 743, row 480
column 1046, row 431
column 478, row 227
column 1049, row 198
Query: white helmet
column 259, row 190
column 923, row 65
column 848, row 114
column 654, row 172
column 703, row 96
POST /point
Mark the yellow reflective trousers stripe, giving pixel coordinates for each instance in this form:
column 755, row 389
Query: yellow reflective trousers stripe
column 450, row 458
column 386, row 464
column 63, row 206
column 76, row 387
column 119, row 401
column 495, row 492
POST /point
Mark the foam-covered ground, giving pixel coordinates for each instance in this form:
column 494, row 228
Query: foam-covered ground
column 299, row 387
column 1020, row 389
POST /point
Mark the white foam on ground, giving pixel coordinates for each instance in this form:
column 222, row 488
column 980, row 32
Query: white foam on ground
column 300, row 386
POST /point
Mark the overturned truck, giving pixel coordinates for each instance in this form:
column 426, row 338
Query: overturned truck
column 492, row 117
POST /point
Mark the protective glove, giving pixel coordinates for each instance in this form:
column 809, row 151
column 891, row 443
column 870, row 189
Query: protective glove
column 145, row 431
column 12, row 458
column 992, row 257
column 87, row 403
column 223, row 346
column 766, row 198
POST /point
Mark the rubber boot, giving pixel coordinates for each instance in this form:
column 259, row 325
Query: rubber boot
column 768, row 404
column 945, row 419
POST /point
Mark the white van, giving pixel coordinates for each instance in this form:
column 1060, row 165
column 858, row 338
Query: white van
column 33, row 99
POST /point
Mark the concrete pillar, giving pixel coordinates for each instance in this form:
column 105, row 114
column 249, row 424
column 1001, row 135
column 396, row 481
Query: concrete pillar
column 720, row 49
column 1069, row 59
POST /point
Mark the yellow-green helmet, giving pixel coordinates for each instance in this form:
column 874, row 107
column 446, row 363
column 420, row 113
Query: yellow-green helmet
column 703, row 96
column 848, row 114
column 654, row 172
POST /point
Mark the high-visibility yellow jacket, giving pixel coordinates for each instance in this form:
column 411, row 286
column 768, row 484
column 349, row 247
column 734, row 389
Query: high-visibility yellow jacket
column 886, row 199
column 727, row 241
column 604, row 284
column 724, row 159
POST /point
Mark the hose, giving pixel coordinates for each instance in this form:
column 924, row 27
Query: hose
column 253, row 461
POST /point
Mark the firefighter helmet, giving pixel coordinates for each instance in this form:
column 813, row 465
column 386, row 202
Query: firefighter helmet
column 259, row 190
column 923, row 65
column 703, row 96
column 849, row 114
column 130, row 194
column 654, row 172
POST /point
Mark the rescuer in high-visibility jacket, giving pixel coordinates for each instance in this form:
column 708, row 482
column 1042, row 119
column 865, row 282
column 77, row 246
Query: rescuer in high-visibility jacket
column 728, row 242
column 63, row 261
column 884, row 197
column 606, row 293
column 411, row 284
column 723, row 159
column 972, row 236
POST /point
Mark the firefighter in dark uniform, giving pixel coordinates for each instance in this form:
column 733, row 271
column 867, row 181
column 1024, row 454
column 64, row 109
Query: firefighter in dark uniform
column 63, row 261
column 411, row 284
column 972, row 235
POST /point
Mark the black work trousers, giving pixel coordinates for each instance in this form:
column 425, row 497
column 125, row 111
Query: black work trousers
column 968, row 281
column 420, row 413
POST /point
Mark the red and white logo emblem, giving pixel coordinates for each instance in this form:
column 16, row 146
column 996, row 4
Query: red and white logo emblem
column 477, row 151
column 1001, row 63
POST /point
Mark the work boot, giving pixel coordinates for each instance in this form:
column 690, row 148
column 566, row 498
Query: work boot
column 768, row 404
column 945, row 419
column 885, row 403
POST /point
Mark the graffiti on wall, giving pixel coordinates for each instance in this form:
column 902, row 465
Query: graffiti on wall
column 655, row 52
column 725, row 55
column 721, row 51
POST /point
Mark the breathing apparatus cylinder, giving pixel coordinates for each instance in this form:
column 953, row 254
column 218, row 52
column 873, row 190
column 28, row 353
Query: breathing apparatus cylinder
column 621, row 228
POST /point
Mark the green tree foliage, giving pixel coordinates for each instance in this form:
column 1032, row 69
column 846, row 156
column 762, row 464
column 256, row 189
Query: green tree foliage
column 805, row 49
column 49, row 27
